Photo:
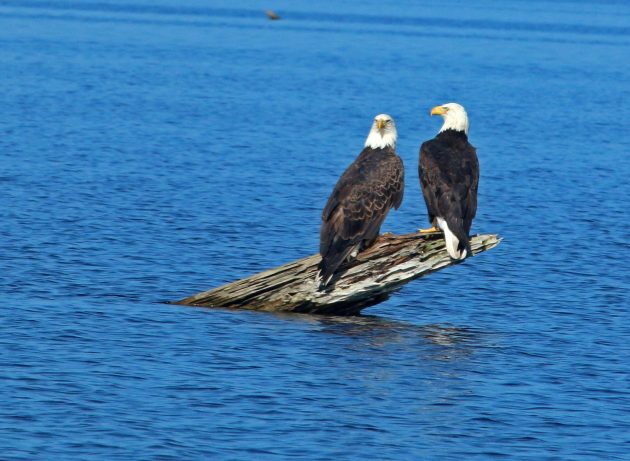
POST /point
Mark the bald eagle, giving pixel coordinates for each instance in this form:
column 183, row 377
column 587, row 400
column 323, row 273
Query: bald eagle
column 449, row 177
column 360, row 201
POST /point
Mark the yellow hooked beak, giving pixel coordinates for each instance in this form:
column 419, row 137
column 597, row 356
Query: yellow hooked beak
column 380, row 124
column 439, row 110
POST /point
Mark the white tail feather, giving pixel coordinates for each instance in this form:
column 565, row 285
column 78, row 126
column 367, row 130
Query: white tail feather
column 452, row 242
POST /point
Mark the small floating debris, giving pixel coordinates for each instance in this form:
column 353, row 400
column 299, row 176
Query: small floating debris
column 272, row 15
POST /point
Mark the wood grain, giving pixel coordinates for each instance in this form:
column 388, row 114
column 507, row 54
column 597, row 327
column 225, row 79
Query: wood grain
column 391, row 262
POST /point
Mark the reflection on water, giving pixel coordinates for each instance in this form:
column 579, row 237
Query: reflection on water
column 455, row 342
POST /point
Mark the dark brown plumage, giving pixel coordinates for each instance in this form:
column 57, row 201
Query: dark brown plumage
column 449, row 177
column 358, row 205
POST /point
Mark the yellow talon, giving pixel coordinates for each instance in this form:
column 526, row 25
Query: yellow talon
column 429, row 231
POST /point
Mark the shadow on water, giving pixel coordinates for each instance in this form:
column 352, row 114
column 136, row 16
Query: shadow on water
column 448, row 341
column 372, row 326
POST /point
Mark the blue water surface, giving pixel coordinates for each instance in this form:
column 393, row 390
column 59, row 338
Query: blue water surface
column 151, row 149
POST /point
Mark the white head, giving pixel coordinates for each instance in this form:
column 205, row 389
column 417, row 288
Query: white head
column 383, row 132
column 454, row 115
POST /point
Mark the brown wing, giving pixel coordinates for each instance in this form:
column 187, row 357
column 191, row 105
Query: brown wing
column 358, row 205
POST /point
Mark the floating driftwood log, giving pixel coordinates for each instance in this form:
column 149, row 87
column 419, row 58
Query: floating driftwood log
column 391, row 262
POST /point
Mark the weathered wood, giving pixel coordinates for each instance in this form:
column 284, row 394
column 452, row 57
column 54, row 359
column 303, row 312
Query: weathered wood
column 391, row 262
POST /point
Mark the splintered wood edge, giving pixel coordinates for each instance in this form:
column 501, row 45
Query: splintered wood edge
column 271, row 282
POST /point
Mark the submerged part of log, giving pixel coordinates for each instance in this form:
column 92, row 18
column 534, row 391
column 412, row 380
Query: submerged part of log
column 391, row 262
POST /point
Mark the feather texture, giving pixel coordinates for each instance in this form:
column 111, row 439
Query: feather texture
column 449, row 177
column 358, row 205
